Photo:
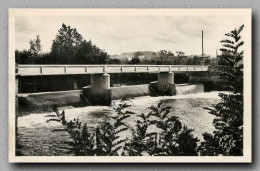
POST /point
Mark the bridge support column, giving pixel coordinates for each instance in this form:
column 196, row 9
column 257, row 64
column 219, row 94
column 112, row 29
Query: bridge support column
column 100, row 83
column 99, row 92
column 165, row 78
column 165, row 84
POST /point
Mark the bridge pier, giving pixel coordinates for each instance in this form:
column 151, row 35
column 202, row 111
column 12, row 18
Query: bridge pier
column 100, row 83
column 165, row 84
column 98, row 92
column 165, row 78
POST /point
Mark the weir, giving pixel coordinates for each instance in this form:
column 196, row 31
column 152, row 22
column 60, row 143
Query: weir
column 100, row 92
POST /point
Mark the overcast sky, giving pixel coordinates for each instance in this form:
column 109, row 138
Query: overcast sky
column 117, row 34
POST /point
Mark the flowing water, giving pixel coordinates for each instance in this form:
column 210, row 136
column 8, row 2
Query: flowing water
column 36, row 136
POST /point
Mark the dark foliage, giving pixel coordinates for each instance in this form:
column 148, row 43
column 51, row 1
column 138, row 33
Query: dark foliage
column 227, row 139
column 170, row 139
column 68, row 47
column 231, row 60
column 135, row 60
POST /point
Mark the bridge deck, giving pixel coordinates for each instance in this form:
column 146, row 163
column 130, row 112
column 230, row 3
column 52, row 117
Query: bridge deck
column 31, row 70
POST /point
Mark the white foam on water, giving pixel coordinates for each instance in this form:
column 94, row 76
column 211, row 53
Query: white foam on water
column 148, row 100
column 37, row 121
column 70, row 114
column 189, row 89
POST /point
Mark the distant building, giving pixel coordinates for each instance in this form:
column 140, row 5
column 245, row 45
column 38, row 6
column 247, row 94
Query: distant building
column 129, row 58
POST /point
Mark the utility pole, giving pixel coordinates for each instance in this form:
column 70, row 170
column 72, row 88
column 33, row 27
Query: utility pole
column 202, row 44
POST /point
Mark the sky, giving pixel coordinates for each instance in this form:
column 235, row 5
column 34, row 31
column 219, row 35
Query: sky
column 118, row 34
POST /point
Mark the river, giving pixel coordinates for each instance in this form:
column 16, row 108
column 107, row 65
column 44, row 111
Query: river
column 36, row 136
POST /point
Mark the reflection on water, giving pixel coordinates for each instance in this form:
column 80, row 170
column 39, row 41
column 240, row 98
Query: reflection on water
column 36, row 137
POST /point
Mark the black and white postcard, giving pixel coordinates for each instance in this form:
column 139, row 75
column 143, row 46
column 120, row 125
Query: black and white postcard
column 130, row 85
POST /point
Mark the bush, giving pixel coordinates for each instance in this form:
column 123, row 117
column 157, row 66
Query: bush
column 170, row 138
column 227, row 140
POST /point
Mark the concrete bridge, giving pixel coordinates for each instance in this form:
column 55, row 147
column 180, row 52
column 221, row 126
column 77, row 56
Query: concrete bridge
column 37, row 70
column 100, row 78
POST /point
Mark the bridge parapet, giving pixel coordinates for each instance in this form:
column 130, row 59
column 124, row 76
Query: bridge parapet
column 34, row 70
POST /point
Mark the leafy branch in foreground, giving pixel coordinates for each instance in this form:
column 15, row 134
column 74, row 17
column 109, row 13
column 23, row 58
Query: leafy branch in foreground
column 108, row 141
column 169, row 138
column 227, row 139
column 231, row 59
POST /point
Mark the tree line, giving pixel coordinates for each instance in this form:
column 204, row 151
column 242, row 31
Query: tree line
column 165, row 57
column 68, row 47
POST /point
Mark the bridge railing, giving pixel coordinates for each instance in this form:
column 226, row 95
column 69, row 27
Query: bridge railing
column 221, row 69
column 27, row 70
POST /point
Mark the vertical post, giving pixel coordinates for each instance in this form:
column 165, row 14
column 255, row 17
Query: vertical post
column 171, row 78
column 202, row 44
column 106, row 81
column 105, row 69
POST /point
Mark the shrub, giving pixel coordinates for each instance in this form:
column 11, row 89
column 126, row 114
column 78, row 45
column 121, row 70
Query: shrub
column 170, row 139
column 227, row 140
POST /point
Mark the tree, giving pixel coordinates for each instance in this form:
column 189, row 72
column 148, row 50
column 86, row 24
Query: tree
column 207, row 62
column 114, row 61
column 231, row 59
column 196, row 60
column 35, row 49
column 137, row 54
column 22, row 57
column 66, row 44
column 32, row 55
column 227, row 139
column 180, row 53
column 35, row 45
column 164, row 54
column 134, row 61
column 69, row 47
